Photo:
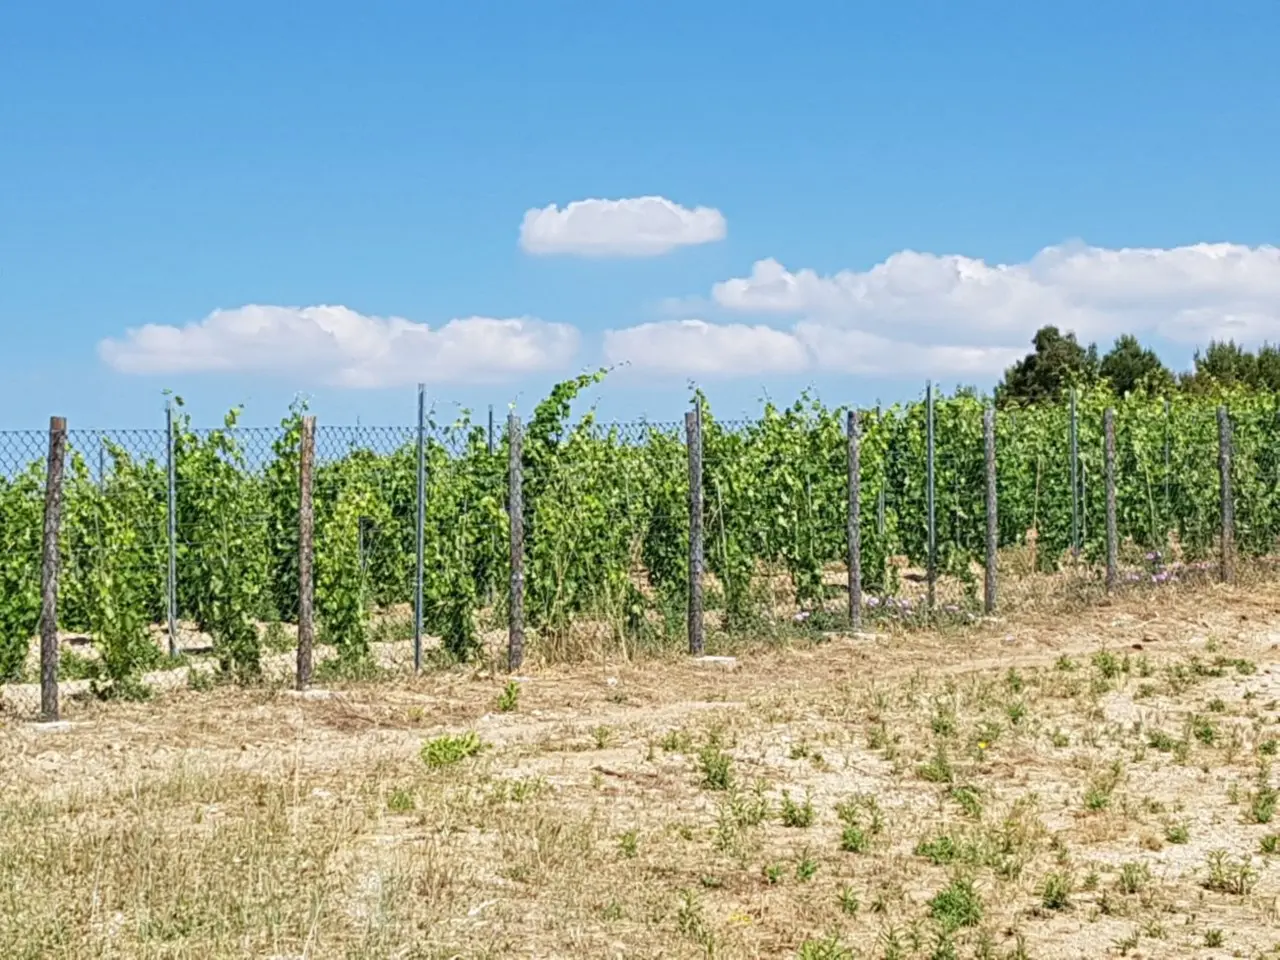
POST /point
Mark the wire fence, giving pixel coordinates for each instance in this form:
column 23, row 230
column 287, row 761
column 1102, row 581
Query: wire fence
column 178, row 551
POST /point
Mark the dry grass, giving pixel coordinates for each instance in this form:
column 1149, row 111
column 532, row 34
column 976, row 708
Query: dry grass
column 1044, row 787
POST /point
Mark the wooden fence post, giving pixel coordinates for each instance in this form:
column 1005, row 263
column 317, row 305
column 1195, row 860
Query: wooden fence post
column 930, row 495
column 1109, row 451
column 993, row 526
column 693, row 435
column 306, row 546
column 855, row 522
column 515, row 514
column 1228, row 559
column 171, row 507
column 49, row 567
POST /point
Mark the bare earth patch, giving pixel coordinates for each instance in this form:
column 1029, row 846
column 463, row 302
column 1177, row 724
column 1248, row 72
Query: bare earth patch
column 1098, row 785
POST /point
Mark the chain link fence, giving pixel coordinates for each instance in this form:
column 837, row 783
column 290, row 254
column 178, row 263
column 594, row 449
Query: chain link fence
column 179, row 547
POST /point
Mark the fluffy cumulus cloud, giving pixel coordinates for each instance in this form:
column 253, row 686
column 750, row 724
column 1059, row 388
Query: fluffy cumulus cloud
column 636, row 227
column 927, row 314
column 338, row 346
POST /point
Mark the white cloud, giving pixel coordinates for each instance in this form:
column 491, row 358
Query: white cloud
column 1187, row 294
column 922, row 314
column 337, row 345
column 636, row 227
column 695, row 347
column 844, row 350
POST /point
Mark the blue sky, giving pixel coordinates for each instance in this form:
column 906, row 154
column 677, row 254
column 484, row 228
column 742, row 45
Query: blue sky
column 163, row 161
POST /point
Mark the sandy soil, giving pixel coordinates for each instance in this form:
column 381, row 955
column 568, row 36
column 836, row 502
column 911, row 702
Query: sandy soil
column 1084, row 786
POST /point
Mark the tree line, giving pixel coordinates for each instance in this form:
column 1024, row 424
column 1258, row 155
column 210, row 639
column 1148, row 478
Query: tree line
column 1058, row 362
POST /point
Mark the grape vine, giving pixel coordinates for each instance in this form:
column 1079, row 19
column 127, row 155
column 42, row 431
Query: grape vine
column 606, row 519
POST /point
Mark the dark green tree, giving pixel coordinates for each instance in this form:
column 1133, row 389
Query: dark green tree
column 1268, row 368
column 1224, row 363
column 1132, row 368
column 1057, row 363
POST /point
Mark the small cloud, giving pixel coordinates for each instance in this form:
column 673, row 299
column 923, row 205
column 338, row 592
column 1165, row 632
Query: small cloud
column 339, row 346
column 636, row 227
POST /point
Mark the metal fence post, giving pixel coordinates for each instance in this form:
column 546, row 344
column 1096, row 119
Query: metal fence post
column 50, row 563
column 489, row 435
column 1109, row 452
column 932, row 572
column 306, row 528
column 883, row 477
column 420, row 530
column 693, row 436
column 1084, row 502
column 855, row 522
column 1228, row 559
column 515, row 514
column 993, row 526
column 171, row 582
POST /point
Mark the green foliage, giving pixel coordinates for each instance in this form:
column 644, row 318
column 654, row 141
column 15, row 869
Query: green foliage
column 282, row 493
column 1057, row 363
column 1056, row 890
column 957, row 905
column 113, row 530
column 509, row 699
column 1226, row 364
column 343, row 585
column 1132, row 368
column 222, row 542
column 21, row 523
column 606, row 516
column 716, row 767
column 795, row 814
column 448, row 749
column 828, row 948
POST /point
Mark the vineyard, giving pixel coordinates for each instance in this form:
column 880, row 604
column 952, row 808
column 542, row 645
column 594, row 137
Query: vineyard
column 197, row 530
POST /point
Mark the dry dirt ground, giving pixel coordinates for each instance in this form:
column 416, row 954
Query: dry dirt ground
column 1087, row 786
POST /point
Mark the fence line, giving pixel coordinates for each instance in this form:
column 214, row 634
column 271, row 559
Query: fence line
column 320, row 525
